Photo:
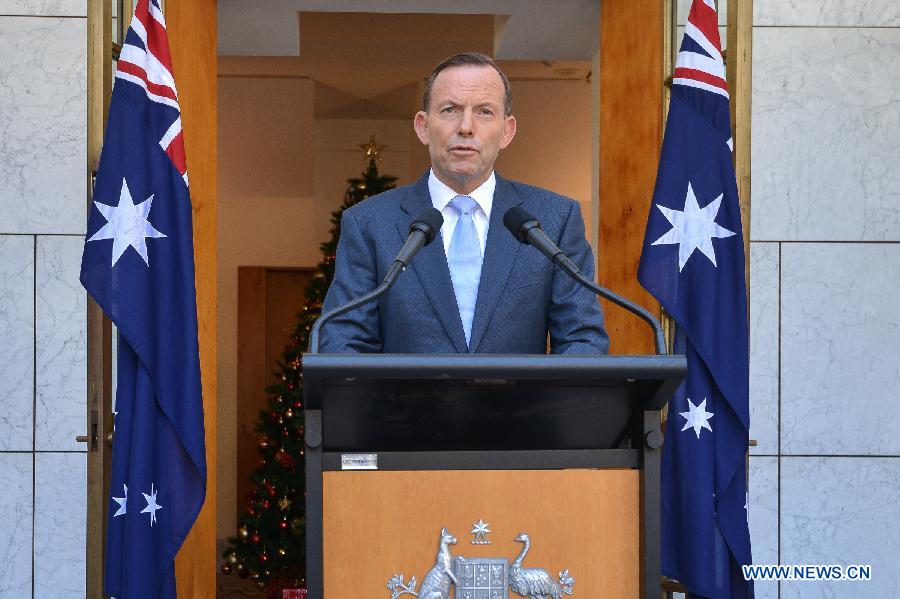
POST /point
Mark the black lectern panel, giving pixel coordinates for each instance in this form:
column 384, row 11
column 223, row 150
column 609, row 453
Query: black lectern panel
column 453, row 415
column 482, row 402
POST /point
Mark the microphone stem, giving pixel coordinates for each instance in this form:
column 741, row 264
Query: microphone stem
column 389, row 279
column 572, row 270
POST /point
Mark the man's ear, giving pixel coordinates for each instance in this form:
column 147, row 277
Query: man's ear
column 420, row 124
column 509, row 131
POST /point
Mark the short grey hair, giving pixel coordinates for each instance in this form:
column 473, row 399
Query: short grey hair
column 468, row 59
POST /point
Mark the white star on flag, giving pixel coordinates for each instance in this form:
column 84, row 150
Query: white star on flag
column 697, row 417
column 693, row 228
column 127, row 225
column 152, row 506
column 121, row 501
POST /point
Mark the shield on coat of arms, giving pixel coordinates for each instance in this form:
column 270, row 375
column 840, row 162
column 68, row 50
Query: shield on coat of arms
column 481, row 578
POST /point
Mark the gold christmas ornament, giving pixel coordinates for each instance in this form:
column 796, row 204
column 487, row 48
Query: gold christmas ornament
column 372, row 149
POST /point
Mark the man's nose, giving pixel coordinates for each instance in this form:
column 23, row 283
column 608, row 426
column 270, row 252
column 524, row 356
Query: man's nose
column 465, row 123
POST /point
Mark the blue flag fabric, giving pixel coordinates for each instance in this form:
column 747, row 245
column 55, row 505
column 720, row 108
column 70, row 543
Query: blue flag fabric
column 693, row 263
column 138, row 264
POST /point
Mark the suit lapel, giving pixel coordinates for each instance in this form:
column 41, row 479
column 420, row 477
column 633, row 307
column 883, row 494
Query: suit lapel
column 430, row 265
column 499, row 256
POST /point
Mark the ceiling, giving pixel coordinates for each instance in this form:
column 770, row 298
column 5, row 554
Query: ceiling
column 525, row 29
column 368, row 58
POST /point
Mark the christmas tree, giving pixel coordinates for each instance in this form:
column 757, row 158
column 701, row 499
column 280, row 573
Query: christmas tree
column 270, row 542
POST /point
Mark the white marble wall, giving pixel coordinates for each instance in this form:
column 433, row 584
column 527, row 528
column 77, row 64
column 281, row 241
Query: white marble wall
column 43, row 167
column 60, row 344
column 44, row 121
column 825, row 275
column 60, row 505
column 16, row 518
column 16, row 342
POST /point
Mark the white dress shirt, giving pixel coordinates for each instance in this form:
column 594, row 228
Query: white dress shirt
column 441, row 195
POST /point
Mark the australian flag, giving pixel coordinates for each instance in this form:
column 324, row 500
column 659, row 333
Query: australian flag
column 138, row 264
column 693, row 263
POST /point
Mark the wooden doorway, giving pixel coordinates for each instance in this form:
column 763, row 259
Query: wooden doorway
column 268, row 301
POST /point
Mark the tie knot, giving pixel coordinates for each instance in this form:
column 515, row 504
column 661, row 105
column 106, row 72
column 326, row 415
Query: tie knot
column 463, row 204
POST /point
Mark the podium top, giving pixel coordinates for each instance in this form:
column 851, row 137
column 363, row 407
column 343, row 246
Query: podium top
column 436, row 401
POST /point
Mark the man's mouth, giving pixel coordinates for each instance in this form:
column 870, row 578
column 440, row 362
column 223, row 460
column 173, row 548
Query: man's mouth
column 463, row 150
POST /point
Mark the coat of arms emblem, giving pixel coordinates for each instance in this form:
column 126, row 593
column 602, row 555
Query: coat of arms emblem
column 482, row 578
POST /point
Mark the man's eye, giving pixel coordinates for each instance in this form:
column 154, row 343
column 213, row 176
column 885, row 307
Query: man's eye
column 487, row 112
column 447, row 109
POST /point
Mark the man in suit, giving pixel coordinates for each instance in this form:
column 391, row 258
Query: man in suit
column 475, row 289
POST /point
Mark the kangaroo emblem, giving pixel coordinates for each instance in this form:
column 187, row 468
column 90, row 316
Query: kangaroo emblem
column 436, row 584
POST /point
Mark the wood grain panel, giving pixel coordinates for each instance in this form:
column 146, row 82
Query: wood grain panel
column 269, row 299
column 631, row 126
column 739, row 73
column 380, row 523
column 192, row 37
column 251, row 373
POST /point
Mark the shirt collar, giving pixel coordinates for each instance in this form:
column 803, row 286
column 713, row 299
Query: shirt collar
column 441, row 194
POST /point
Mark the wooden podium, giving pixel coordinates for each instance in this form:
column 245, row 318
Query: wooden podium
column 565, row 449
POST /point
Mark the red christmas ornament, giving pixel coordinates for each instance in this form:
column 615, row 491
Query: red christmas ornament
column 283, row 524
column 266, row 504
column 286, row 460
column 263, row 557
column 255, row 538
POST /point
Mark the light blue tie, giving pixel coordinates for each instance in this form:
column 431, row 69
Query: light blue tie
column 464, row 259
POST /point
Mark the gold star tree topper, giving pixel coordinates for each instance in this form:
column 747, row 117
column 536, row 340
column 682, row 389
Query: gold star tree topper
column 372, row 149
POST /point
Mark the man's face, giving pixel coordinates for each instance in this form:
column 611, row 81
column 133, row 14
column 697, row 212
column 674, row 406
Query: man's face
column 465, row 127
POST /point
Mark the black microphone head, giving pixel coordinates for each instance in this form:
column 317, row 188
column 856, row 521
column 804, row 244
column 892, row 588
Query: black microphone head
column 519, row 222
column 429, row 222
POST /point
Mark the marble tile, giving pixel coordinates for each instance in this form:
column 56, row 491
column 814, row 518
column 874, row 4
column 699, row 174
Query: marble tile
column 44, row 8
column 16, row 342
column 827, row 13
column 839, row 370
column 60, row 505
column 43, row 117
column 826, row 134
column 763, row 511
column 841, row 511
column 16, row 523
column 764, row 292
column 60, row 345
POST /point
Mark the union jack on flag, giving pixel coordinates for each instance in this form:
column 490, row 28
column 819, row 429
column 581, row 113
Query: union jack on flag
column 693, row 263
column 138, row 264
column 145, row 61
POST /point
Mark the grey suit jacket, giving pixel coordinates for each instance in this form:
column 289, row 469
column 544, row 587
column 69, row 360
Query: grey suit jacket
column 522, row 296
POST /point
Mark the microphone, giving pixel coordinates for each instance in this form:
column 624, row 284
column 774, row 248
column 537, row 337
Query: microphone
column 422, row 231
column 526, row 228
